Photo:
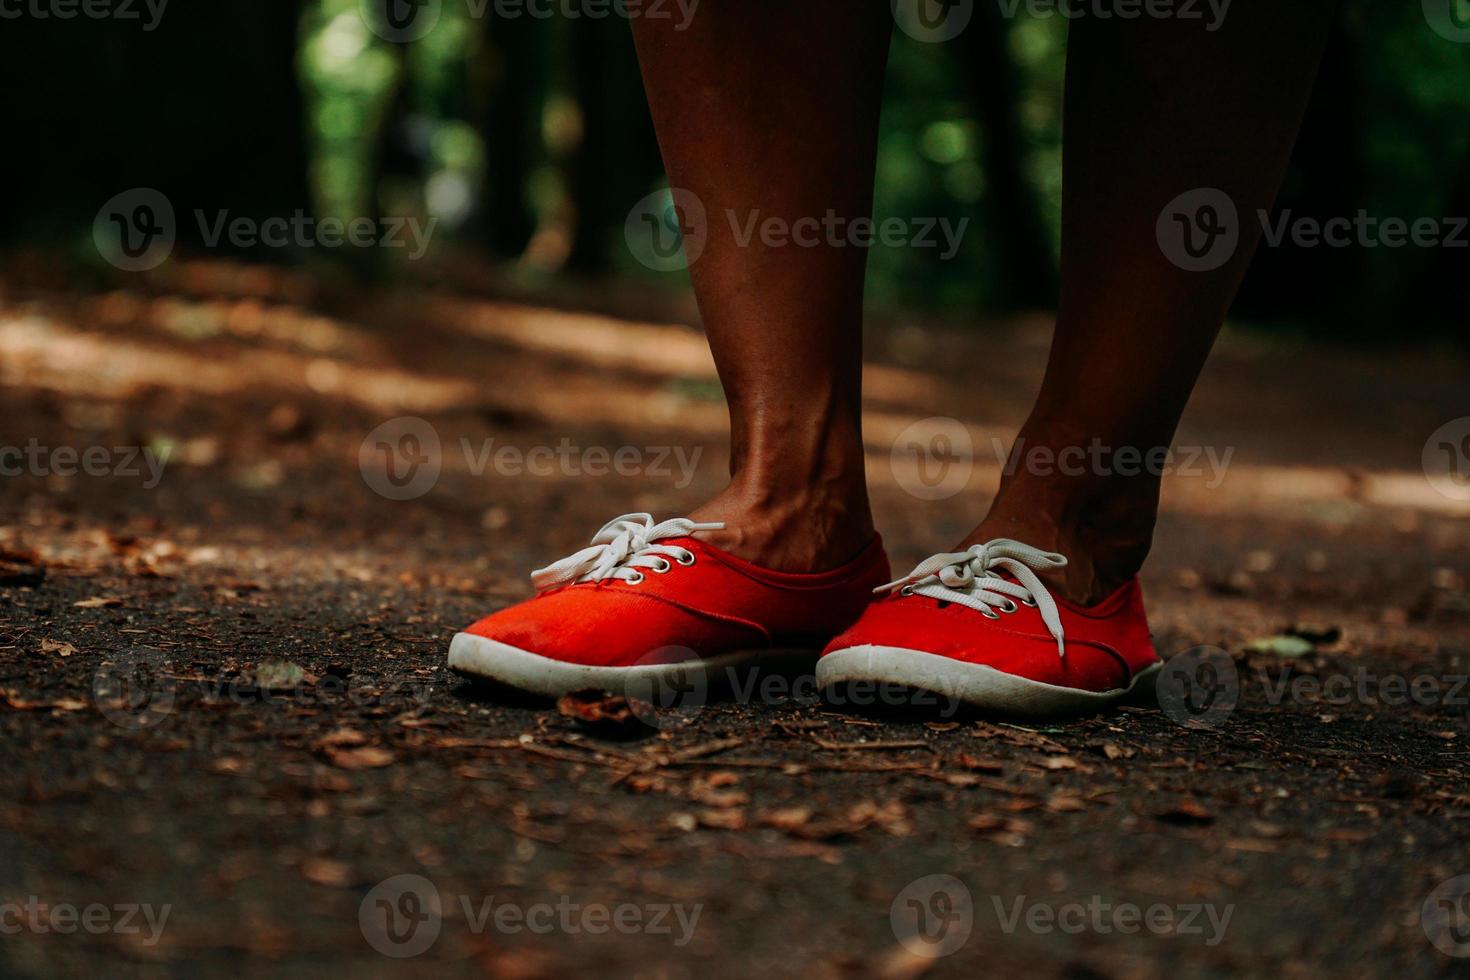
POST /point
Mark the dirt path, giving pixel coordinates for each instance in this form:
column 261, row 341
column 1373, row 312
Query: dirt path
column 304, row 748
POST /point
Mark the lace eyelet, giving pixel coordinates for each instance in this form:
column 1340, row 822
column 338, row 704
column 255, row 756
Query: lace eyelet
column 1009, row 607
column 663, row 567
column 1029, row 603
column 989, row 615
column 906, row 590
column 685, row 559
column 636, row 578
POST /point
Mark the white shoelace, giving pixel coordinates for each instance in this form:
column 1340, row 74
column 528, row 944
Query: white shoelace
column 969, row 578
column 623, row 547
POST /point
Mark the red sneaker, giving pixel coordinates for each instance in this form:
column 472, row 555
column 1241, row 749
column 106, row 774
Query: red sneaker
column 978, row 626
column 646, row 601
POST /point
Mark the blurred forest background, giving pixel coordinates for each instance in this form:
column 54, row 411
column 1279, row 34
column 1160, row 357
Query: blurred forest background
column 528, row 140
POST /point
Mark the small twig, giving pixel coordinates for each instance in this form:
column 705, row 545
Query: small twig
column 700, row 751
column 912, row 743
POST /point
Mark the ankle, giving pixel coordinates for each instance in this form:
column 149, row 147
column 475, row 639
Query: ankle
column 796, row 529
column 798, row 497
column 1104, row 531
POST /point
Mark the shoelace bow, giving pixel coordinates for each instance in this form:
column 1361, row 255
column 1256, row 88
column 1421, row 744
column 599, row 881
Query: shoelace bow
column 969, row 578
column 623, row 547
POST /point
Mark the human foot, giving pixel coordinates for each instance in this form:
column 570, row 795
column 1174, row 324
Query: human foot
column 981, row 627
column 1101, row 521
column 649, row 602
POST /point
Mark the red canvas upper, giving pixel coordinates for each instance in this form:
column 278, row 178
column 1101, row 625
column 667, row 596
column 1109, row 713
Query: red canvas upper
column 718, row 604
column 1105, row 645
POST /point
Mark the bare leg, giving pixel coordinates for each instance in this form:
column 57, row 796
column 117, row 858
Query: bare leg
column 769, row 109
column 1154, row 108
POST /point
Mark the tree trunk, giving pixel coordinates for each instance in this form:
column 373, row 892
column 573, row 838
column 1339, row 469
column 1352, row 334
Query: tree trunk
column 1026, row 277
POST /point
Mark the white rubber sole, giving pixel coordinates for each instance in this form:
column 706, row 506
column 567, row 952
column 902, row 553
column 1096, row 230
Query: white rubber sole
column 484, row 659
column 974, row 684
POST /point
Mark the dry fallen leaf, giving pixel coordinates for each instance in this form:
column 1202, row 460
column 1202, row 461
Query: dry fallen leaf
column 1186, row 812
column 325, row 871
column 340, row 738
column 720, row 799
column 901, row 963
column 981, row 765
column 605, row 714
column 788, row 818
column 366, row 757
column 723, row 819
column 58, row 647
column 98, row 602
